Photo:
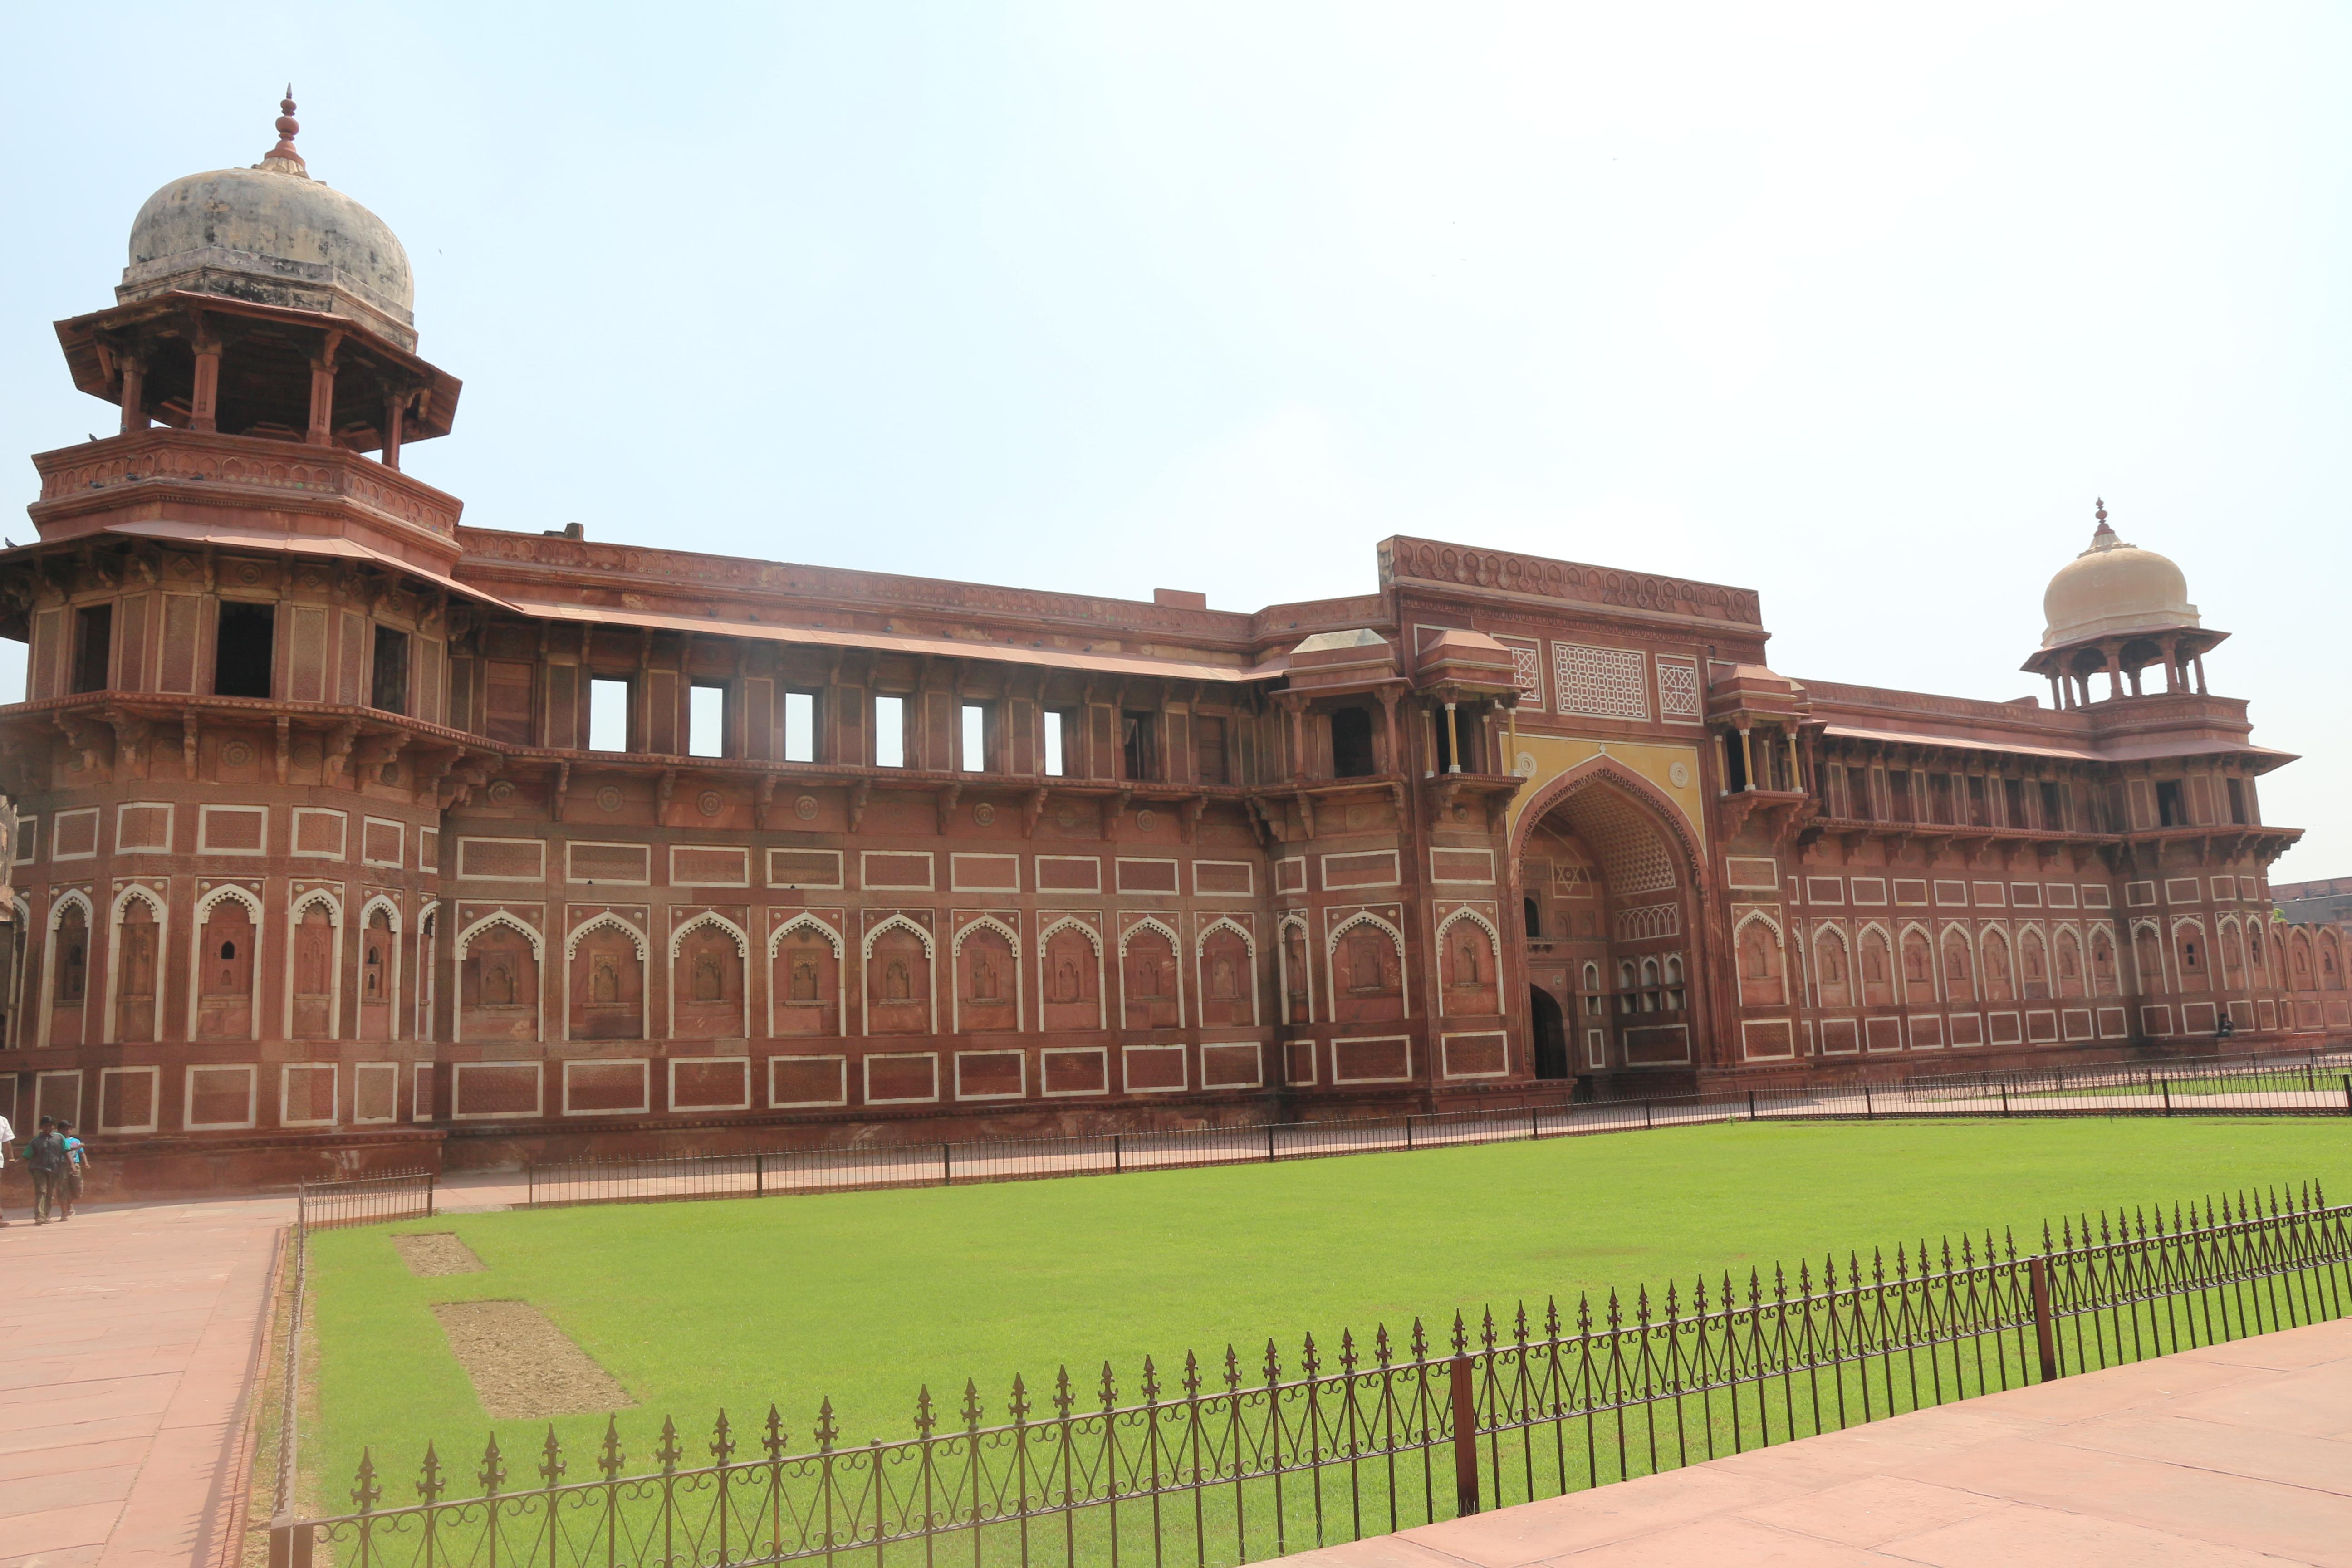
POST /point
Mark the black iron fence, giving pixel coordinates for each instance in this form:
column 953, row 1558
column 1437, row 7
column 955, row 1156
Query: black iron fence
column 2297, row 1085
column 2313, row 1070
column 1248, row 1456
column 365, row 1200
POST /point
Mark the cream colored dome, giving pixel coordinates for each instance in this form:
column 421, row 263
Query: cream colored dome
column 274, row 235
column 2112, row 589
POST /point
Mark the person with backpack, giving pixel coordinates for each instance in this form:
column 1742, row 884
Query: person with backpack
column 7, row 1136
column 49, row 1161
column 77, row 1163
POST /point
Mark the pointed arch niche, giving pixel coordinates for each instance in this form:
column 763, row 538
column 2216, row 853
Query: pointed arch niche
column 498, row 990
column 379, row 969
column 1070, row 976
column 709, row 958
column 1364, row 959
column 314, row 943
column 605, row 987
column 227, row 928
column 804, row 978
column 1227, row 984
column 1151, row 984
column 1615, row 873
column 134, row 963
column 987, row 977
column 900, row 991
column 1469, row 966
column 65, row 970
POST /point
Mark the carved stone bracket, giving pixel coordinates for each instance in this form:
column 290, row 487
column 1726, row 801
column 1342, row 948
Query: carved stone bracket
column 946, row 803
column 860, row 794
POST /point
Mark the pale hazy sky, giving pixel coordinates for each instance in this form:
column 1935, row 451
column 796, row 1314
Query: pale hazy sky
column 1860, row 307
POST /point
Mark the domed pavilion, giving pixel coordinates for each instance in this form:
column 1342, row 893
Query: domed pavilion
column 2115, row 609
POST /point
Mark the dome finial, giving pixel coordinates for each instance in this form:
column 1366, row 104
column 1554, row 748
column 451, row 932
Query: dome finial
column 2103, row 537
column 283, row 159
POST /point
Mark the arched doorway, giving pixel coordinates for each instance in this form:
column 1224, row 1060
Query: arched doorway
column 1612, row 888
column 1550, row 1033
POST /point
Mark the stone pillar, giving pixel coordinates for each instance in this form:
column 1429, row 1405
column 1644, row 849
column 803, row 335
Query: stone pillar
column 204, row 403
column 2199, row 661
column 395, row 414
column 1746, row 760
column 1453, row 735
column 134, row 394
column 322, row 402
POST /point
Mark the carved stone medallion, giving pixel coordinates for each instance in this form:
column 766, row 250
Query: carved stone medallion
column 805, row 808
column 608, row 798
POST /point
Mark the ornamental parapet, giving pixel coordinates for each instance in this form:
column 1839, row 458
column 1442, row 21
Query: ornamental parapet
column 247, row 472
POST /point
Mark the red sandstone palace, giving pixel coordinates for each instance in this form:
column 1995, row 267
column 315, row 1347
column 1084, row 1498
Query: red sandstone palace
column 351, row 835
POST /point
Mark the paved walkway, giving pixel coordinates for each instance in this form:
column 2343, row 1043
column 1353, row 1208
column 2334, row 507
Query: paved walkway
column 127, row 1344
column 2240, row 1454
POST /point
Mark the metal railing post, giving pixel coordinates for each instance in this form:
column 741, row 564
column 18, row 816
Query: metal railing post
column 760, row 1174
column 1868, row 1112
column 2004, row 1097
column 2166, row 1086
column 290, row 1541
column 1118, row 1155
column 1645, row 1114
column 1269, row 1142
column 947, row 1164
column 1752, row 1105
column 2347, row 1094
column 1466, row 1438
column 432, row 1192
column 2045, row 1331
column 1534, row 1120
column 1408, row 1129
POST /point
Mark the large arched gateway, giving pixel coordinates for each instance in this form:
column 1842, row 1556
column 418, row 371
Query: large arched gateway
column 1607, row 883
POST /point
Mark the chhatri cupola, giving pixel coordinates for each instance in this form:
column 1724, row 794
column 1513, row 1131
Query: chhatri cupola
column 2116, row 609
column 263, row 303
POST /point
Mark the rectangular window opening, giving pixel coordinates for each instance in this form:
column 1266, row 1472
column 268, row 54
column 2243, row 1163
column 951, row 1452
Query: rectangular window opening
column 2169, row 810
column 1352, row 745
column 608, row 715
column 2053, row 807
column 972, row 757
column 244, row 652
column 706, row 721
column 389, row 688
column 93, row 647
column 1139, row 745
column 2237, row 801
column 1209, row 748
column 889, row 732
column 1058, row 725
column 1857, row 794
column 1899, row 791
column 800, row 726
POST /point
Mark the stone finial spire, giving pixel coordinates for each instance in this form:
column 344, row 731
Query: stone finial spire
column 283, row 159
column 2103, row 537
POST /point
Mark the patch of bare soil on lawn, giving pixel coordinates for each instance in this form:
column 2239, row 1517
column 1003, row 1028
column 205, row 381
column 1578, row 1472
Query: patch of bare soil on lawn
column 525, row 1368
column 434, row 1252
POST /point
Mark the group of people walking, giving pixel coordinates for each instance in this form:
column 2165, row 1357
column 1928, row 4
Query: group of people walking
column 57, row 1159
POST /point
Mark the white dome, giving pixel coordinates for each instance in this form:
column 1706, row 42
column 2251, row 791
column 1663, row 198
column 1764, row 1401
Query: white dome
column 273, row 235
column 2112, row 589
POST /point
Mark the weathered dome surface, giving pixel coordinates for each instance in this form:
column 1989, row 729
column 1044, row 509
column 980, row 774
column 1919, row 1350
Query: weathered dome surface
column 2113, row 589
column 274, row 235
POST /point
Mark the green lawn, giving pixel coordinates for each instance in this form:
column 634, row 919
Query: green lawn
column 866, row 1297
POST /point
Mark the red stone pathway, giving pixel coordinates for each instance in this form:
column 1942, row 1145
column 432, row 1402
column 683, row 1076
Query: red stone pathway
column 2241, row 1454
column 127, row 1344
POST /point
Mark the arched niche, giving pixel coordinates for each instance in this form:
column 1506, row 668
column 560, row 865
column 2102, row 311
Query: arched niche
column 707, row 1000
column 605, row 958
column 1298, row 975
column 1228, row 982
column 1877, row 969
column 1959, row 967
column 1070, row 976
column 137, row 962
column 1469, row 967
column 227, row 931
column 987, row 979
column 1833, row 968
column 898, row 982
column 1151, row 991
column 804, row 979
column 1763, row 980
column 379, row 970
column 314, row 937
column 1366, row 955
column 498, row 980
column 69, row 971
column 1918, row 968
